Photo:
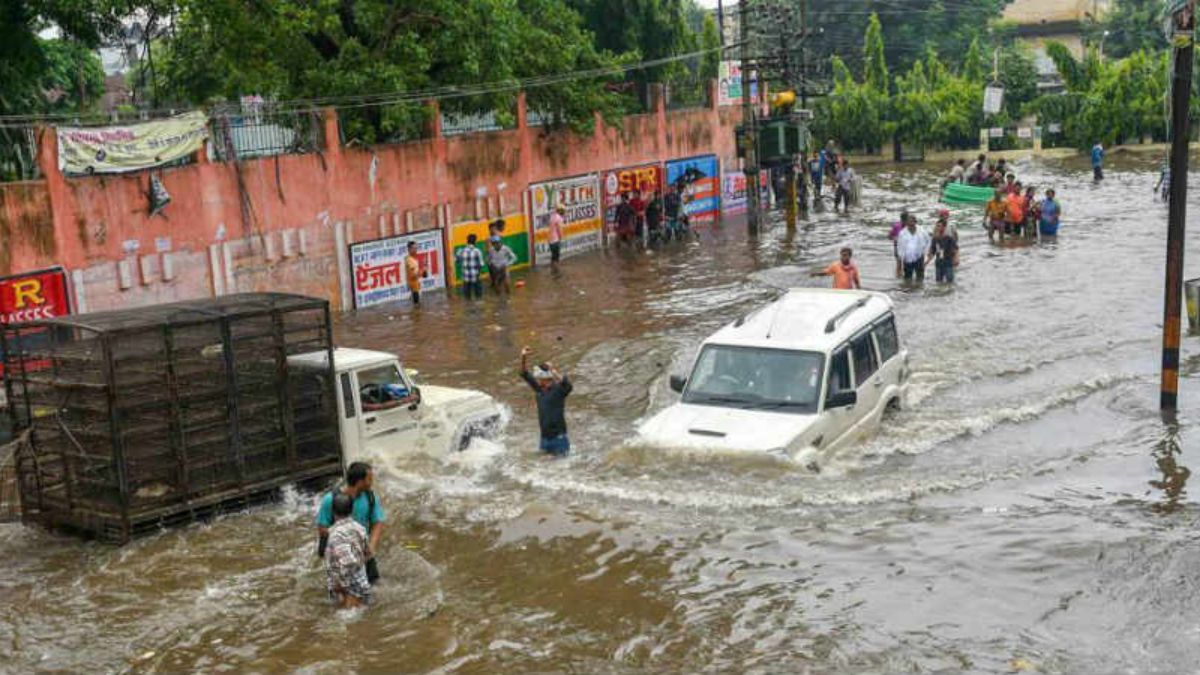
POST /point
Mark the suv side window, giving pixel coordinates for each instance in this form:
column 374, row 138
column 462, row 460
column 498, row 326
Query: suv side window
column 865, row 363
column 839, row 372
column 889, row 342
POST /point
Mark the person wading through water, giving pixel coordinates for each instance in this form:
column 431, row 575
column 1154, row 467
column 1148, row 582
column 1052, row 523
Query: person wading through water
column 360, row 478
column 551, row 390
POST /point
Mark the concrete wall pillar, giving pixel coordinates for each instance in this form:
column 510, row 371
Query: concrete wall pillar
column 63, row 210
column 658, row 101
column 524, row 142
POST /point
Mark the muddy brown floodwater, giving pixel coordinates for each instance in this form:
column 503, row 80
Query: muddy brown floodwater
column 1030, row 511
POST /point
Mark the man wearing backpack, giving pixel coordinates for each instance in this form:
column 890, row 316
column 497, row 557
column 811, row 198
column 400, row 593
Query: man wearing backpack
column 360, row 478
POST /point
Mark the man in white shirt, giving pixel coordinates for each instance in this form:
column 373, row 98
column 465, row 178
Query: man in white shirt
column 913, row 246
column 845, row 186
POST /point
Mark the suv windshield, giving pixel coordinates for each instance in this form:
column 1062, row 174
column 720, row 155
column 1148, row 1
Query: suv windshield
column 754, row 378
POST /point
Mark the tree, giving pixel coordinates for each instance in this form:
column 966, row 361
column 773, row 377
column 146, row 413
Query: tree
column 909, row 27
column 1131, row 26
column 26, row 60
column 645, row 29
column 875, row 70
column 710, row 39
column 298, row 49
column 912, row 112
column 1018, row 74
column 1111, row 101
column 974, row 68
column 853, row 113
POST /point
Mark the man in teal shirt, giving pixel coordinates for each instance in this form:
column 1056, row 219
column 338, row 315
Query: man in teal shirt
column 360, row 478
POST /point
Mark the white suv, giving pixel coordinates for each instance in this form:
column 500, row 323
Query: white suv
column 809, row 373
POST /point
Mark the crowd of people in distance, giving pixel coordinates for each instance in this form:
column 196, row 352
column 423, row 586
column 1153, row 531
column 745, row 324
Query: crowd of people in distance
column 1014, row 210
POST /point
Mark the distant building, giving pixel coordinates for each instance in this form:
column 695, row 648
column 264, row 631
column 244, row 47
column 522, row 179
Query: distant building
column 1042, row 21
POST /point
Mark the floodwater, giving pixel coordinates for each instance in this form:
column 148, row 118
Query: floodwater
column 1028, row 513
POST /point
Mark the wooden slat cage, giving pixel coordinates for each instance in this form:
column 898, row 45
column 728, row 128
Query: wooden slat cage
column 149, row 416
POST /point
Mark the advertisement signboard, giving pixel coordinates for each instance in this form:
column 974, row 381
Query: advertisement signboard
column 993, row 99
column 733, row 190
column 33, row 296
column 580, row 197
column 115, row 149
column 515, row 236
column 729, row 84
column 645, row 179
column 378, row 267
column 700, row 179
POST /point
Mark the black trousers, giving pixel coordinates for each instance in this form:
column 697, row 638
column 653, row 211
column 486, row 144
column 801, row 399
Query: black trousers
column 914, row 269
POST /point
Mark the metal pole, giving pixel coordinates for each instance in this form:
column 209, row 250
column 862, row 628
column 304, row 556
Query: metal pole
column 804, row 54
column 749, row 123
column 721, row 23
column 791, row 195
column 1181, row 93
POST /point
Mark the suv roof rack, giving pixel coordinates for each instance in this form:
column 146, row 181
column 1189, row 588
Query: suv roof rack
column 837, row 318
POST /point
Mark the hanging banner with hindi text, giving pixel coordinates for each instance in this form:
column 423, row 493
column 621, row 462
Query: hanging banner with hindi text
column 116, row 149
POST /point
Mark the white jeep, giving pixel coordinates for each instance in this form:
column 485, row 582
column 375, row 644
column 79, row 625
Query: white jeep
column 809, row 373
column 383, row 413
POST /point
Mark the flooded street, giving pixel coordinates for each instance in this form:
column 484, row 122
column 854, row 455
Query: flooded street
column 1027, row 512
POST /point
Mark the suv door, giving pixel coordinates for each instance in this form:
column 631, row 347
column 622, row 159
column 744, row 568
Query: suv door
column 837, row 422
column 891, row 356
column 868, row 381
column 389, row 414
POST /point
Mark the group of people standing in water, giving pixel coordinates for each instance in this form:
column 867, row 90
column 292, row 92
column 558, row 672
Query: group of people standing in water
column 1014, row 209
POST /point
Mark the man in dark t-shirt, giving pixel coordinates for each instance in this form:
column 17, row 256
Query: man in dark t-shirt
column 551, row 389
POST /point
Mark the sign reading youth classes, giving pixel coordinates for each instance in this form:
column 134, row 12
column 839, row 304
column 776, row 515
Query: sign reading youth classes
column 115, row 149
column 580, row 198
column 378, row 267
column 645, row 179
column 700, row 179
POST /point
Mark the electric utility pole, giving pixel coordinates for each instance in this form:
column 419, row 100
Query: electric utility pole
column 749, row 124
column 1182, row 35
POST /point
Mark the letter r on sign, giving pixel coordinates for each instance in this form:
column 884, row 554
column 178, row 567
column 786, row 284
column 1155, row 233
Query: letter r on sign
column 27, row 292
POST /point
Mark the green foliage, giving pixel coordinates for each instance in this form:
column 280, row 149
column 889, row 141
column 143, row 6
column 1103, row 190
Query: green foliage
column 875, row 70
column 300, row 49
column 1018, row 74
column 909, row 27
column 31, row 66
column 1132, row 26
column 649, row 29
column 853, row 113
column 1110, row 101
column 974, row 67
column 710, row 38
column 1069, row 69
column 72, row 79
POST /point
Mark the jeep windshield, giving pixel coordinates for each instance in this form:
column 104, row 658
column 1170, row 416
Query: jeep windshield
column 756, row 378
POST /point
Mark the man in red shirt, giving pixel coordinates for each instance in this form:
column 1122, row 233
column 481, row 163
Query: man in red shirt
column 844, row 272
column 639, row 209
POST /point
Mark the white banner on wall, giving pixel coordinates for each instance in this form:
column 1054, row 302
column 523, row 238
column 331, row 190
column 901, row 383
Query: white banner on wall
column 377, row 267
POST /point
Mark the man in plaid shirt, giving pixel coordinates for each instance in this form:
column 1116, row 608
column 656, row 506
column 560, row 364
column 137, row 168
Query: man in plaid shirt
column 470, row 267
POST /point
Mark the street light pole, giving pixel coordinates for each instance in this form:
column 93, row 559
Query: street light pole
column 1183, row 24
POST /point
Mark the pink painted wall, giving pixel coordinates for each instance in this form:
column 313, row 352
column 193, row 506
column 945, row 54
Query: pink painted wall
column 281, row 223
